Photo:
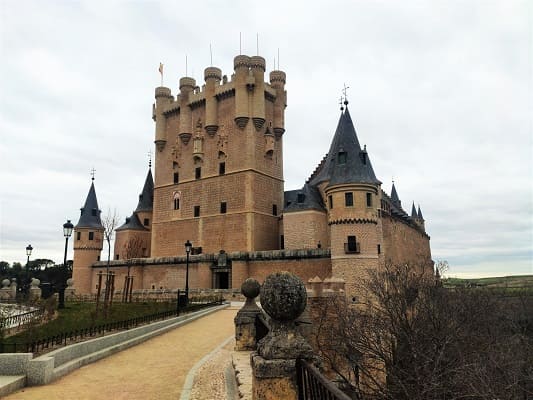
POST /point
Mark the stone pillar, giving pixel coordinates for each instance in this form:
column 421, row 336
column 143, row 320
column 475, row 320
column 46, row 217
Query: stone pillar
column 245, row 332
column 5, row 292
column 35, row 290
column 283, row 297
column 70, row 292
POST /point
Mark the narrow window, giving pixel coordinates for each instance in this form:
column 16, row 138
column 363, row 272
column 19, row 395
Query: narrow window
column 176, row 204
column 78, row 235
column 330, row 198
column 222, row 168
column 146, row 222
column 301, row 197
column 198, row 172
column 348, row 199
column 98, row 258
column 351, row 246
column 176, row 177
column 342, row 157
column 274, row 209
column 196, row 211
column 117, row 257
column 369, row 199
column 144, row 252
column 91, row 235
column 223, row 207
column 379, row 249
column 282, row 242
column 93, row 212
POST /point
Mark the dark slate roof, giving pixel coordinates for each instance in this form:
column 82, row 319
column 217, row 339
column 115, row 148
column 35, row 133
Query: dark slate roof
column 90, row 213
column 420, row 213
column 132, row 223
column 395, row 208
column 414, row 214
column 394, row 196
column 146, row 198
column 307, row 198
column 356, row 168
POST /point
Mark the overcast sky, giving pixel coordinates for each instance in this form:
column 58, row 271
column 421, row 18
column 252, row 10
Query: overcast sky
column 439, row 91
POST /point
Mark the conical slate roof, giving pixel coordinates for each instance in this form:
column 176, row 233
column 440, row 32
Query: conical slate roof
column 414, row 214
column 307, row 198
column 90, row 213
column 420, row 213
column 132, row 223
column 146, row 198
column 394, row 196
column 345, row 162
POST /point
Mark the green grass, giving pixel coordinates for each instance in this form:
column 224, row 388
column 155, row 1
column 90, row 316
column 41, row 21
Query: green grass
column 511, row 284
column 83, row 315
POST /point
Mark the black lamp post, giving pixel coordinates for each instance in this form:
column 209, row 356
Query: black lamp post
column 188, row 248
column 67, row 231
column 28, row 253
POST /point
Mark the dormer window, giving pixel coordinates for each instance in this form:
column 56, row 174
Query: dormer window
column 341, row 157
column 301, row 198
column 93, row 212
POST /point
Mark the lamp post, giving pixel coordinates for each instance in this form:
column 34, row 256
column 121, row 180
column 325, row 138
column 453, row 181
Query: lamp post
column 188, row 247
column 67, row 231
column 28, row 253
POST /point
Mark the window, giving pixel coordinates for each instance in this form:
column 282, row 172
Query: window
column 196, row 211
column 176, row 177
column 301, row 197
column 222, row 168
column 98, row 258
column 379, row 249
column 78, row 235
column 198, row 172
column 146, row 222
column 369, row 199
column 117, row 257
column 282, row 242
column 330, row 199
column 93, row 212
column 144, row 252
column 274, row 209
column 223, row 207
column 342, row 157
column 91, row 235
column 176, row 204
column 351, row 246
column 348, row 199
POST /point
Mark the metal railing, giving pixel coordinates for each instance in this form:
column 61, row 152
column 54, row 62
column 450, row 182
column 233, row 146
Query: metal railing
column 65, row 338
column 312, row 385
column 17, row 320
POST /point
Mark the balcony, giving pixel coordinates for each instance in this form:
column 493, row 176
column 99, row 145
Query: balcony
column 352, row 248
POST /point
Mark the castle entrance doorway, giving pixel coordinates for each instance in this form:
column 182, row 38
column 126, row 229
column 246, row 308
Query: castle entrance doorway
column 221, row 280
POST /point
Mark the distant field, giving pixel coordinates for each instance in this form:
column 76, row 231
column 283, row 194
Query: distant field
column 515, row 281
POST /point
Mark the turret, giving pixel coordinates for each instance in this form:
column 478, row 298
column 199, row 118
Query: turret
column 243, row 82
column 277, row 81
column 88, row 243
column 187, row 85
column 163, row 97
column 212, row 77
column 257, row 68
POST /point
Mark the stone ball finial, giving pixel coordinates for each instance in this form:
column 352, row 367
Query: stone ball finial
column 70, row 282
column 35, row 282
column 283, row 296
column 5, row 283
column 250, row 288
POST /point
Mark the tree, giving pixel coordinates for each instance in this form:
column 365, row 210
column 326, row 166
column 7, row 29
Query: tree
column 109, row 222
column 410, row 338
column 133, row 248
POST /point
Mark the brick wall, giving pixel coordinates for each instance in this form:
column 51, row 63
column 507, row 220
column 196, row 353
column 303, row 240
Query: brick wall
column 305, row 229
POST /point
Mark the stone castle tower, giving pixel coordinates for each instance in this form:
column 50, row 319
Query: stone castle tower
column 88, row 242
column 219, row 161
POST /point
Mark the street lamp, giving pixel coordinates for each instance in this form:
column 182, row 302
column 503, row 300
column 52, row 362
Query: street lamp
column 188, row 248
column 67, row 231
column 28, row 253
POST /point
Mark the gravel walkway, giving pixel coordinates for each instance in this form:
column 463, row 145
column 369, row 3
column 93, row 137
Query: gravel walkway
column 155, row 369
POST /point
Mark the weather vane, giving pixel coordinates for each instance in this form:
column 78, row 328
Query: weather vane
column 340, row 103
column 92, row 173
column 150, row 158
column 345, row 94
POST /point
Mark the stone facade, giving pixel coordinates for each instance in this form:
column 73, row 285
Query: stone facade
column 219, row 184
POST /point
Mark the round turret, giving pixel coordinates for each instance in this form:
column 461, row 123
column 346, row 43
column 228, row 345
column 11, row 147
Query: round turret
column 241, row 61
column 187, row 83
column 162, row 91
column 212, row 73
column 277, row 77
column 257, row 62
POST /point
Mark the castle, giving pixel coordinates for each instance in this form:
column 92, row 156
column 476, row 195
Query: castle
column 219, row 184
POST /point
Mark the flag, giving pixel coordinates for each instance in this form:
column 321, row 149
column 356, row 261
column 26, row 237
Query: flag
column 161, row 68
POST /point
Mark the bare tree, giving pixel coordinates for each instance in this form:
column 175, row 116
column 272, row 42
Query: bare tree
column 410, row 338
column 133, row 248
column 109, row 222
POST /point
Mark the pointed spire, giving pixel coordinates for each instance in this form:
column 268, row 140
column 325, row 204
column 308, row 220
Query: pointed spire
column 394, row 196
column 420, row 213
column 132, row 223
column 346, row 162
column 414, row 214
column 90, row 213
column 146, row 198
